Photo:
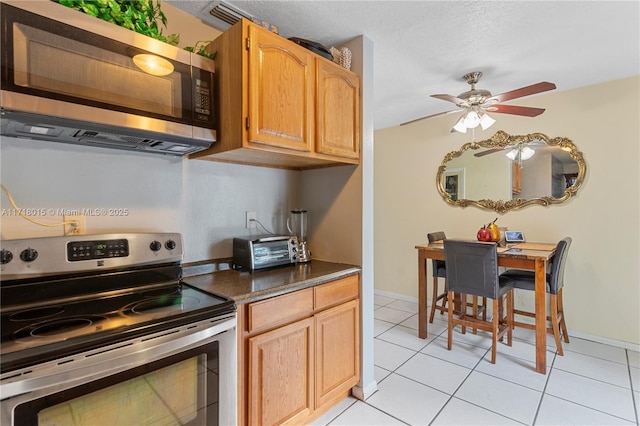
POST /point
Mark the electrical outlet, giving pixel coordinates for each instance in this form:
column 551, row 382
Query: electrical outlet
column 80, row 226
column 251, row 216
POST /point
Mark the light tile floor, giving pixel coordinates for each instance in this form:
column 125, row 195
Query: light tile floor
column 420, row 382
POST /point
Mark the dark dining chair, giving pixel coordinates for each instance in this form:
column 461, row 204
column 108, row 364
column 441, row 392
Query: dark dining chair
column 525, row 280
column 440, row 271
column 472, row 268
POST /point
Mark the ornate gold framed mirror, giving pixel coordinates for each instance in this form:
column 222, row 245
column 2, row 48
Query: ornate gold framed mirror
column 507, row 172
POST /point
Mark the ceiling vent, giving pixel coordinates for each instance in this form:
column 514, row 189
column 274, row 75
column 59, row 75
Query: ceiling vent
column 226, row 15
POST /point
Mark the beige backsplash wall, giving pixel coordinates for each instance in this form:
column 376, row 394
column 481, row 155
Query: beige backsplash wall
column 602, row 284
column 205, row 201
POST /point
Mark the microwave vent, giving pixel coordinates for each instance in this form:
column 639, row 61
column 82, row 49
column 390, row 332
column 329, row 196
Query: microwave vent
column 227, row 14
column 26, row 125
column 114, row 138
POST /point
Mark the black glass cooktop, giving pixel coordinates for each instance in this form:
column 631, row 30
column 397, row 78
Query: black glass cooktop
column 62, row 326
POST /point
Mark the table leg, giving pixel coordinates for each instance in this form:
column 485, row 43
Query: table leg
column 541, row 316
column 422, row 296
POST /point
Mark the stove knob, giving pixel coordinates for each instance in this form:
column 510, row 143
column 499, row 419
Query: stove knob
column 170, row 244
column 155, row 246
column 5, row 256
column 29, row 255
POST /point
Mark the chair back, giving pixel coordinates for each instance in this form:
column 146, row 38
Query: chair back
column 438, row 266
column 472, row 268
column 556, row 275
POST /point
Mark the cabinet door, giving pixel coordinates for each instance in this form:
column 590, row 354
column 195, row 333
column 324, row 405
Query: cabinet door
column 338, row 111
column 281, row 84
column 516, row 177
column 280, row 374
column 337, row 351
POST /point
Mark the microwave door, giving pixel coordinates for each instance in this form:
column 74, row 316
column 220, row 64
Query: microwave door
column 96, row 71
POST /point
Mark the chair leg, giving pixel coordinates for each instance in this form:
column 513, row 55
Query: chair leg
column 510, row 317
column 494, row 334
column 444, row 299
column 484, row 308
column 434, row 299
column 474, row 310
column 450, row 315
column 563, row 324
column 463, row 311
column 554, row 323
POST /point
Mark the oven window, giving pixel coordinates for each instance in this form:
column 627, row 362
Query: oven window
column 179, row 390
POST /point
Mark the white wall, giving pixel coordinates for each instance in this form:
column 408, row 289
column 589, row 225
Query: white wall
column 602, row 285
column 205, row 201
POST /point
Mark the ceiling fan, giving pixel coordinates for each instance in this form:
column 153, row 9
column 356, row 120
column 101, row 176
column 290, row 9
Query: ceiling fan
column 476, row 102
column 520, row 151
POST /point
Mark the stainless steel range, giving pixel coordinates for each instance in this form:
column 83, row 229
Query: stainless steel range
column 102, row 329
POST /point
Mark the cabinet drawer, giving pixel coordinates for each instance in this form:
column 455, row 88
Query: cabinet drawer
column 336, row 292
column 278, row 310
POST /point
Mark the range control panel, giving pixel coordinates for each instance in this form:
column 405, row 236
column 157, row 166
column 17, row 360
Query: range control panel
column 86, row 250
column 80, row 253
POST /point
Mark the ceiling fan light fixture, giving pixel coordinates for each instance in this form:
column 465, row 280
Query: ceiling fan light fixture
column 472, row 120
column 520, row 153
column 459, row 126
column 527, row 153
column 486, row 121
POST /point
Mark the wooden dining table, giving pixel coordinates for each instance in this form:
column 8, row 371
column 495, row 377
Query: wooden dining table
column 530, row 256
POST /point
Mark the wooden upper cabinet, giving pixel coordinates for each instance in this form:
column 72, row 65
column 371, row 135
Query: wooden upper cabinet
column 281, row 92
column 338, row 111
column 281, row 105
column 516, row 177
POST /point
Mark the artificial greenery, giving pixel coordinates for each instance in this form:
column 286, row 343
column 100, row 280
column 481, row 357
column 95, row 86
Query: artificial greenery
column 201, row 49
column 141, row 16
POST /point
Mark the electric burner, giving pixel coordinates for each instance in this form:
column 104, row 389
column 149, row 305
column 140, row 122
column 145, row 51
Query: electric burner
column 54, row 309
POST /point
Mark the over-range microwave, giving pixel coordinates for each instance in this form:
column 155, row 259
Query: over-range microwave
column 70, row 77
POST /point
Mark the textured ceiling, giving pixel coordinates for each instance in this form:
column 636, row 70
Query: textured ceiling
column 424, row 47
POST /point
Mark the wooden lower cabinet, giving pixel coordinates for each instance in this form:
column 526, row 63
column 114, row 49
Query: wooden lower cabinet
column 337, row 352
column 280, row 368
column 294, row 369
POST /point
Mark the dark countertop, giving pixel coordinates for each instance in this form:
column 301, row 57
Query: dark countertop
column 245, row 287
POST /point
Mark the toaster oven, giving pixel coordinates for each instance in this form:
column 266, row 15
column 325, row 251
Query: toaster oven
column 264, row 252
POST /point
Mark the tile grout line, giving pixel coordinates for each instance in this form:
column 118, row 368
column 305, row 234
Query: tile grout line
column 544, row 389
column 633, row 395
column 543, row 392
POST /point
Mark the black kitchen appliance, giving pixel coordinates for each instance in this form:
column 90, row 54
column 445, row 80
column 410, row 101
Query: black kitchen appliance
column 73, row 78
column 87, row 319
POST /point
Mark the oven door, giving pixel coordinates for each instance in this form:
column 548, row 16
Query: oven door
column 185, row 375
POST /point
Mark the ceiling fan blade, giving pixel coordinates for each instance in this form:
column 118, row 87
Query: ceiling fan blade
column 516, row 110
column 490, row 151
column 523, row 91
column 430, row 116
column 451, row 98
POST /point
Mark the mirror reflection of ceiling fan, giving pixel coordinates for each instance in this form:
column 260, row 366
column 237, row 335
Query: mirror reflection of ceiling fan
column 520, row 151
column 477, row 102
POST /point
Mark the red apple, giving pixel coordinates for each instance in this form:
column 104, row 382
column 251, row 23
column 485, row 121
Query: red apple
column 484, row 234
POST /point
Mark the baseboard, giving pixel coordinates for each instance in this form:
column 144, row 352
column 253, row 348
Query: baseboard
column 598, row 339
column 396, row 296
column 362, row 393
